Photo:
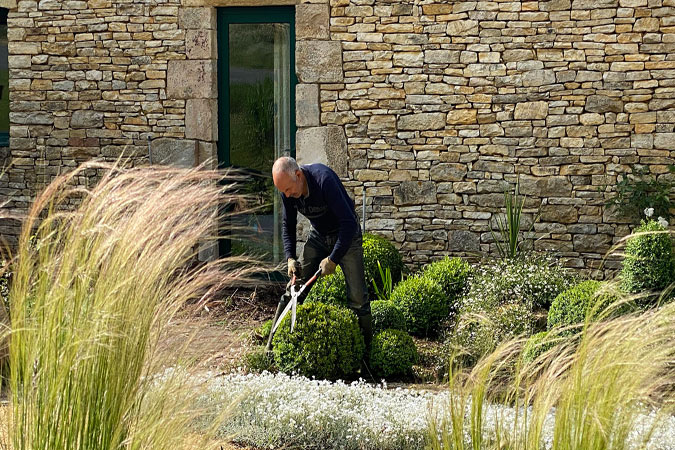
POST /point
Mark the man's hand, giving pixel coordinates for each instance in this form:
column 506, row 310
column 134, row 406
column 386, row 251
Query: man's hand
column 293, row 267
column 327, row 266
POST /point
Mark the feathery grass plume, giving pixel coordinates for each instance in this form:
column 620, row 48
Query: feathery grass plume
column 90, row 300
column 587, row 392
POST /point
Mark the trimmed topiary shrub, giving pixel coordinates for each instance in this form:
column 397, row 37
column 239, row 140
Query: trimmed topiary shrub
column 423, row 304
column 326, row 342
column 537, row 345
column 572, row 306
column 330, row 289
column 393, row 353
column 386, row 315
column 649, row 264
column 452, row 275
column 376, row 248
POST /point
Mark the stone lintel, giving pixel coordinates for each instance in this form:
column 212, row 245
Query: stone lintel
column 219, row 3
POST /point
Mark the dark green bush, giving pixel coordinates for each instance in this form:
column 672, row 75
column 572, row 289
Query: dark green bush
column 393, row 353
column 376, row 248
column 537, row 345
column 452, row 275
column 386, row 315
column 330, row 289
column 649, row 264
column 258, row 360
column 572, row 306
column 423, row 304
column 326, row 342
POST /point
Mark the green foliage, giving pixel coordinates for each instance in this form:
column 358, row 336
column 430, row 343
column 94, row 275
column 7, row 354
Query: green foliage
column 534, row 280
column 378, row 249
column 587, row 299
column 263, row 331
column 639, row 190
column 423, row 304
column 258, row 360
column 452, row 275
column 537, row 345
column 326, row 342
column 384, row 292
column 480, row 333
column 386, row 315
column 330, row 289
column 510, row 241
column 649, row 264
column 393, row 353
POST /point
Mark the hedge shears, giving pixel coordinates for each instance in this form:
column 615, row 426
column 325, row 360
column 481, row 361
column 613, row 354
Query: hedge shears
column 291, row 306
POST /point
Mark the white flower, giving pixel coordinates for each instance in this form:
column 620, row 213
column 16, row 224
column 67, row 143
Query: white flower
column 663, row 222
column 649, row 212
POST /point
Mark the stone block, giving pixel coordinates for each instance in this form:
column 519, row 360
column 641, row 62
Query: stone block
column 462, row 28
column 201, row 119
column 382, row 125
column 448, row 172
column 408, row 59
column 463, row 241
column 312, row 21
column 422, row 121
column 664, row 141
column 307, row 105
column 191, row 79
column 594, row 4
column 517, row 55
column 538, row 78
column 462, row 117
column 551, row 186
column 319, row 61
column 441, row 56
column 415, row 193
column 197, row 18
column 201, row 44
column 86, row 119
column 327, row 145
column 603, row 104
column 531, row 110
column 173, row 152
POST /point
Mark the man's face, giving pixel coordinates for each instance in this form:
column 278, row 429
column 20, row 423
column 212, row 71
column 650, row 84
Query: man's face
column 287, row 185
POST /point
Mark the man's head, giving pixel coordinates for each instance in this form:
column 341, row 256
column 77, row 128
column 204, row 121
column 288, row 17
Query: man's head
column 288, row 177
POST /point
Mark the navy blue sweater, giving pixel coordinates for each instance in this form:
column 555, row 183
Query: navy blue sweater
column 328, row 208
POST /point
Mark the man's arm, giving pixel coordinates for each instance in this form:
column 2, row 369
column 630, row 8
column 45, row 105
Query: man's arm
column 289, row 222
column 343, row 208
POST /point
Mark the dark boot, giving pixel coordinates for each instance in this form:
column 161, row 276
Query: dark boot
column 366, row 325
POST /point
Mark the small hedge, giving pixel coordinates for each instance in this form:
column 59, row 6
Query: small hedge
column 330, row 289
column 452, row 275
column 536, row 346
column 326, row 342
column 386, row 315
column 393, row 353
column 376, row 248
column 649, row 264
column 423, row 304
column 573, row 305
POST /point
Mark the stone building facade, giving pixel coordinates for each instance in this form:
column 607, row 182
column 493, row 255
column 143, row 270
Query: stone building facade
column 434, row 108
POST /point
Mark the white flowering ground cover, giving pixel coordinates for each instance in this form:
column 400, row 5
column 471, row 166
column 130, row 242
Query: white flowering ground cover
column 295, row 412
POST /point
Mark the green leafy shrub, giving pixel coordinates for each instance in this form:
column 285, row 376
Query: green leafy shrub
column 534, row 280
column 452, row 275
column 386, row 315
column 537, row 345
column 479, row 334
column 573, row 306
column 330, row 289
column 648, row 265
column 393, row 353
column 263, row 331
column 258, row 360
column 423, row 304
column 376, row 248
column 326, row 342
column 639, row 190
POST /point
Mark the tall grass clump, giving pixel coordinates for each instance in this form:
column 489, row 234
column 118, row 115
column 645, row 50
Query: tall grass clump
column 89, row 303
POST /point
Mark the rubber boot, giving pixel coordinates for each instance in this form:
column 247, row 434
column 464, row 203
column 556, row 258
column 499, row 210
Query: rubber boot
column 366, row 325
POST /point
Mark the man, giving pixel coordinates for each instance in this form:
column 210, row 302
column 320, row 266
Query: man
column 335, row 239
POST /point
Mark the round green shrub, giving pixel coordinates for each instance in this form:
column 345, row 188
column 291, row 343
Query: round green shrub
column 423, row 304
column 452, row 275
column 649, row 263
column 330, row 289
column 537, row 345
column 376, row 248
column 326, row 342
column 393, row 353
column 573, row 305
column 386, row 315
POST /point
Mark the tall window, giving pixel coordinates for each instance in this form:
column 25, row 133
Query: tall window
column 4, row 81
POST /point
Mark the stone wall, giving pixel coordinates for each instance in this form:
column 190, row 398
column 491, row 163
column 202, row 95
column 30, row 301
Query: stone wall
column 444, row 105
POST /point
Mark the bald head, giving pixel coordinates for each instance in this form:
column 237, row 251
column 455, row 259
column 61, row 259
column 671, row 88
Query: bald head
column 288, row 177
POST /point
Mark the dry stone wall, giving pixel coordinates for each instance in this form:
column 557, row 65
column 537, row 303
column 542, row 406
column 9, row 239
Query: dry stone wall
column 446, row 104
